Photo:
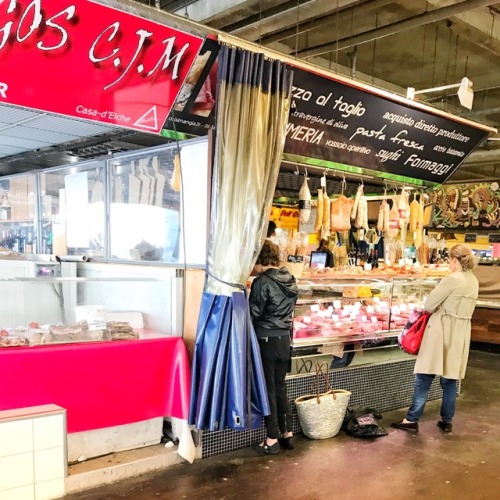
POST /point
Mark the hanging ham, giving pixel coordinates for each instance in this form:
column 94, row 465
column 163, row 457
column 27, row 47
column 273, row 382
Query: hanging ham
column 340, row 214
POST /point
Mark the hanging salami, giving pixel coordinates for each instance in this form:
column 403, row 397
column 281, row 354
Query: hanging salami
column 326, row 215
column 304, row 202
column 393, row 220
column 319, row 212
column 357, row 199
column 383, row 217
column 414, row 212
column 362, row 214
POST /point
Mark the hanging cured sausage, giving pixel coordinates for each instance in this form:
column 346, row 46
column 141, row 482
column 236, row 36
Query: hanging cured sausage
column 319, row 212
column 304, row 202
column 357, row 199
column 326, row 215
column 383, row 217
column 362, row 214
column 393, row 220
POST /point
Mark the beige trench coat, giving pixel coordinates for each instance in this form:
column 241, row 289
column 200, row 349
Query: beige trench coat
column 445, row 346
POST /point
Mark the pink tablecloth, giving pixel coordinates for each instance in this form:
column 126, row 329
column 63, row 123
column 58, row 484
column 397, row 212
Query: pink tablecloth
column 101, row 384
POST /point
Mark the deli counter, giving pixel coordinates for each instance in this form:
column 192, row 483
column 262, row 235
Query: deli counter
column 343, row 319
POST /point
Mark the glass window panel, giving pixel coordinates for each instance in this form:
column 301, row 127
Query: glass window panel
column 73, row 210
column 17, row 213
column 146, row 205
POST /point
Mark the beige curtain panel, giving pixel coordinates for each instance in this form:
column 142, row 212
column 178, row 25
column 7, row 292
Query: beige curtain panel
column 253, row 103
column 253, row 99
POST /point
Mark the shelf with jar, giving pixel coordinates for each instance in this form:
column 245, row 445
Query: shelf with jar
column 332, row 311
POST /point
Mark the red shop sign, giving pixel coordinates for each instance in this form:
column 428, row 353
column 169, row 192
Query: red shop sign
column 87, row 60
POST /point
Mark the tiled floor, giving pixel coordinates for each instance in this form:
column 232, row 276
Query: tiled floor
column 461, row 465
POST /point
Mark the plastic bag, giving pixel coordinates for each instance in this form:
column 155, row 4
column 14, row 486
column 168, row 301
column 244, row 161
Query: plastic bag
column 363, row 423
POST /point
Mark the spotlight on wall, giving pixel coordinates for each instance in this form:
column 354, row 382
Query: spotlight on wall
column 465, row 92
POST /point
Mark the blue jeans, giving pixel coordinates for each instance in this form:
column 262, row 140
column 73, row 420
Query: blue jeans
column 422, row 385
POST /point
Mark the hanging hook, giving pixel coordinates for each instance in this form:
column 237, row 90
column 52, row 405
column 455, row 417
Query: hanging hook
column 297, row 171
column 306, row 174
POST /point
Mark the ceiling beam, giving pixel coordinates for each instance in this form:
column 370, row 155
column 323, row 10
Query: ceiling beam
column 397, row 27
column 322, row 20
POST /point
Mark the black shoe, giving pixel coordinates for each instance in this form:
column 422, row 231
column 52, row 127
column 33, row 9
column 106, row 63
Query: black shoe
column 410, row 426
column 274, row 449
column 445, row 426
column 287, row 443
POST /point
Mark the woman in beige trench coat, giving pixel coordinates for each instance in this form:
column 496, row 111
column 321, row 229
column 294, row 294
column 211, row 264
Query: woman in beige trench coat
column 445, row 345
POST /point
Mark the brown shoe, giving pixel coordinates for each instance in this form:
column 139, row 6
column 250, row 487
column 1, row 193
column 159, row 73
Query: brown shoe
column 406, row 426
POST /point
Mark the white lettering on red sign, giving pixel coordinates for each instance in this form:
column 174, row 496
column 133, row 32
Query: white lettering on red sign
column 3, row 90
column 32, row 22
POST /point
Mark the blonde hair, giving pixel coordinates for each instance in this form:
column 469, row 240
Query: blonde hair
column 465, row 256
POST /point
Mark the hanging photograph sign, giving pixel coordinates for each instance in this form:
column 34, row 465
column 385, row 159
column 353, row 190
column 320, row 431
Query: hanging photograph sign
column 86, row 60
column 469, row 205
column 335, row 122
column 193, row 113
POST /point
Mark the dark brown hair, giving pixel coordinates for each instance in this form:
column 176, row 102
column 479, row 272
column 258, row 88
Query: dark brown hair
column 464, row 255
column 269, row 255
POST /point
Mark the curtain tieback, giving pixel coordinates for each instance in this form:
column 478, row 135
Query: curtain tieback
column 233, row 285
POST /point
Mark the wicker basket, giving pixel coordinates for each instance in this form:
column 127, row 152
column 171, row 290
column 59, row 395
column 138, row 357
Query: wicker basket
column 321, row 416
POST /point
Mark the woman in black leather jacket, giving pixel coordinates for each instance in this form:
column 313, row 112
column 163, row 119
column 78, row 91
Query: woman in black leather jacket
column 272, row 301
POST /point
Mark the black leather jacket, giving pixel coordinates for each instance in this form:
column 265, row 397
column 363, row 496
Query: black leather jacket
column 272, row 302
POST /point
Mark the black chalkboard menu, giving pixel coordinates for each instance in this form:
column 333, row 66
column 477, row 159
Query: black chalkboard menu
column 470, row 237
column 330, row 120
column 494, row 238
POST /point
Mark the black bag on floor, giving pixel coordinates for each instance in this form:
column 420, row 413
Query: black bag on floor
column 363, row 423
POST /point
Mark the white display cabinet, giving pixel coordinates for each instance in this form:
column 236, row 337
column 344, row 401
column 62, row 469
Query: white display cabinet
column 102, row 303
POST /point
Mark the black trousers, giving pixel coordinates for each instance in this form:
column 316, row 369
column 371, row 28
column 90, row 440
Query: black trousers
column 275, row 354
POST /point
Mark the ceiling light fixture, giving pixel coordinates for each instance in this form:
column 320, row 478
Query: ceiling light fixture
column 465, row 92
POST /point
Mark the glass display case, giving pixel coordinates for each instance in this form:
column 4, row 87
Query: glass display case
column 365, row 310
column 61, row 310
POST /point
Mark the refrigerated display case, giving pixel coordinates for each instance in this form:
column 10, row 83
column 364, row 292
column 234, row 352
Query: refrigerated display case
column 339, row 317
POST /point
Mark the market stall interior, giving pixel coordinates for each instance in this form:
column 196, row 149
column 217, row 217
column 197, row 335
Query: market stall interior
column 59, row 172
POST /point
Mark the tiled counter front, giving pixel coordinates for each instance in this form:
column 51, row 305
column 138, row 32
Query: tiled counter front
column 32, row 453
column 386, row 386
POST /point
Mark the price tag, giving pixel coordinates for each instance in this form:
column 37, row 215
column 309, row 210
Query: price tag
column 323, row 181
column 314, row 307
column 337, row 304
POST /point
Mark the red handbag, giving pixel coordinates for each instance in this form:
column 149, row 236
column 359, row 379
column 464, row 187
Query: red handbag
column 410, row 338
